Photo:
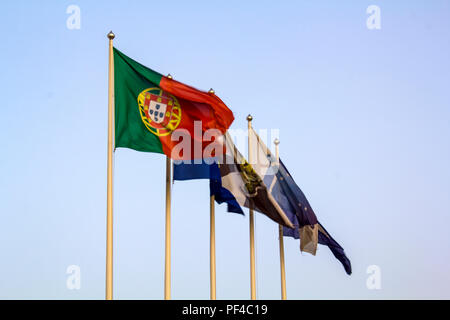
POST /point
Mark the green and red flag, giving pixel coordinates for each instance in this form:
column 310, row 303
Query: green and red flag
column 150, row 107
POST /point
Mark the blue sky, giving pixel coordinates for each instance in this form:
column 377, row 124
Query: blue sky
column 364, row 122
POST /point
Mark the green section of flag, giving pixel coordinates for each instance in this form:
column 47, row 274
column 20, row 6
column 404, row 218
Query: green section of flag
column 130, row 79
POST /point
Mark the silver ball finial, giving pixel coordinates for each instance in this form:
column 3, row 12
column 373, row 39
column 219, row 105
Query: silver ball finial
column 211, row 91
column 276, row 141
column 169, row 76
column 249, row 117
column 111, row 35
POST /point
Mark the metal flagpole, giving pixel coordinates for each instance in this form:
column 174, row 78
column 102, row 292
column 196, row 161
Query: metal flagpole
column 252, row 222
column 280, row 235
column 212, row 248
column 212, row 242
column 167, row 261
column 109, row 197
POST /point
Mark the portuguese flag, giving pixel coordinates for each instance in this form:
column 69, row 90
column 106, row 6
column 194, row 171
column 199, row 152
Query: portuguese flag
column 150, row 107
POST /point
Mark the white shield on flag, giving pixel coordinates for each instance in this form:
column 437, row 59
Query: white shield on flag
column 157, row 111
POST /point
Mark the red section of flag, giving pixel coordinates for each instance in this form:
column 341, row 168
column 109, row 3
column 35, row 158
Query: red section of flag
column 199, row 106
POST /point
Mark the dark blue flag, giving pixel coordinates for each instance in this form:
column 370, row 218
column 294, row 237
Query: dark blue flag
column 294, row 203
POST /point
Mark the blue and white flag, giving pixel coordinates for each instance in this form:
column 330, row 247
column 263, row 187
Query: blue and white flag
column 234, row 181
column 204, row 170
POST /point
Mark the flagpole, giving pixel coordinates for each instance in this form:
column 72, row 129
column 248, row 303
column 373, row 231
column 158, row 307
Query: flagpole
column 252, row 223
column 167, row 253
column 212, row 248
column 109, row 196
column 280, row 235
column 212, row 241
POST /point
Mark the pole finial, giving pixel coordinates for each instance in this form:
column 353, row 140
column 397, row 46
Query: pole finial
column 211, row 91
column 111, row 35
column 249, row 117
column 169, row 76
column 276, row 141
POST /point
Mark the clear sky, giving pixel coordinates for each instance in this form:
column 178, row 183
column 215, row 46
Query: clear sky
column 364, row 122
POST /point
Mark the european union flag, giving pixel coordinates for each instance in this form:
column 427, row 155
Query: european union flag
column 184, row 171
